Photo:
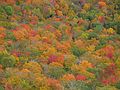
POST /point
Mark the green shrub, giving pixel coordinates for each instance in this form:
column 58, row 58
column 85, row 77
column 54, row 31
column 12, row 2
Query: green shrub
column 93, row 35
column 98, row 27
column 7, row 60
column 90, row 15
column 9, row 10
column 10, row 36
column 117, row 85
column 102, row 43
column 77, row 51
column 1, row 88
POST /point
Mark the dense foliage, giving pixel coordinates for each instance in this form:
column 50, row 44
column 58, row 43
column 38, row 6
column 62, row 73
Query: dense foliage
column 59, row 44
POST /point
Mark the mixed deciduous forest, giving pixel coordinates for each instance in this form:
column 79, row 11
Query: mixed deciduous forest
column 59, row 44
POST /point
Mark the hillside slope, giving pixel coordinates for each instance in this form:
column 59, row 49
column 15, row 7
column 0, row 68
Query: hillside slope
column 59, row 44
